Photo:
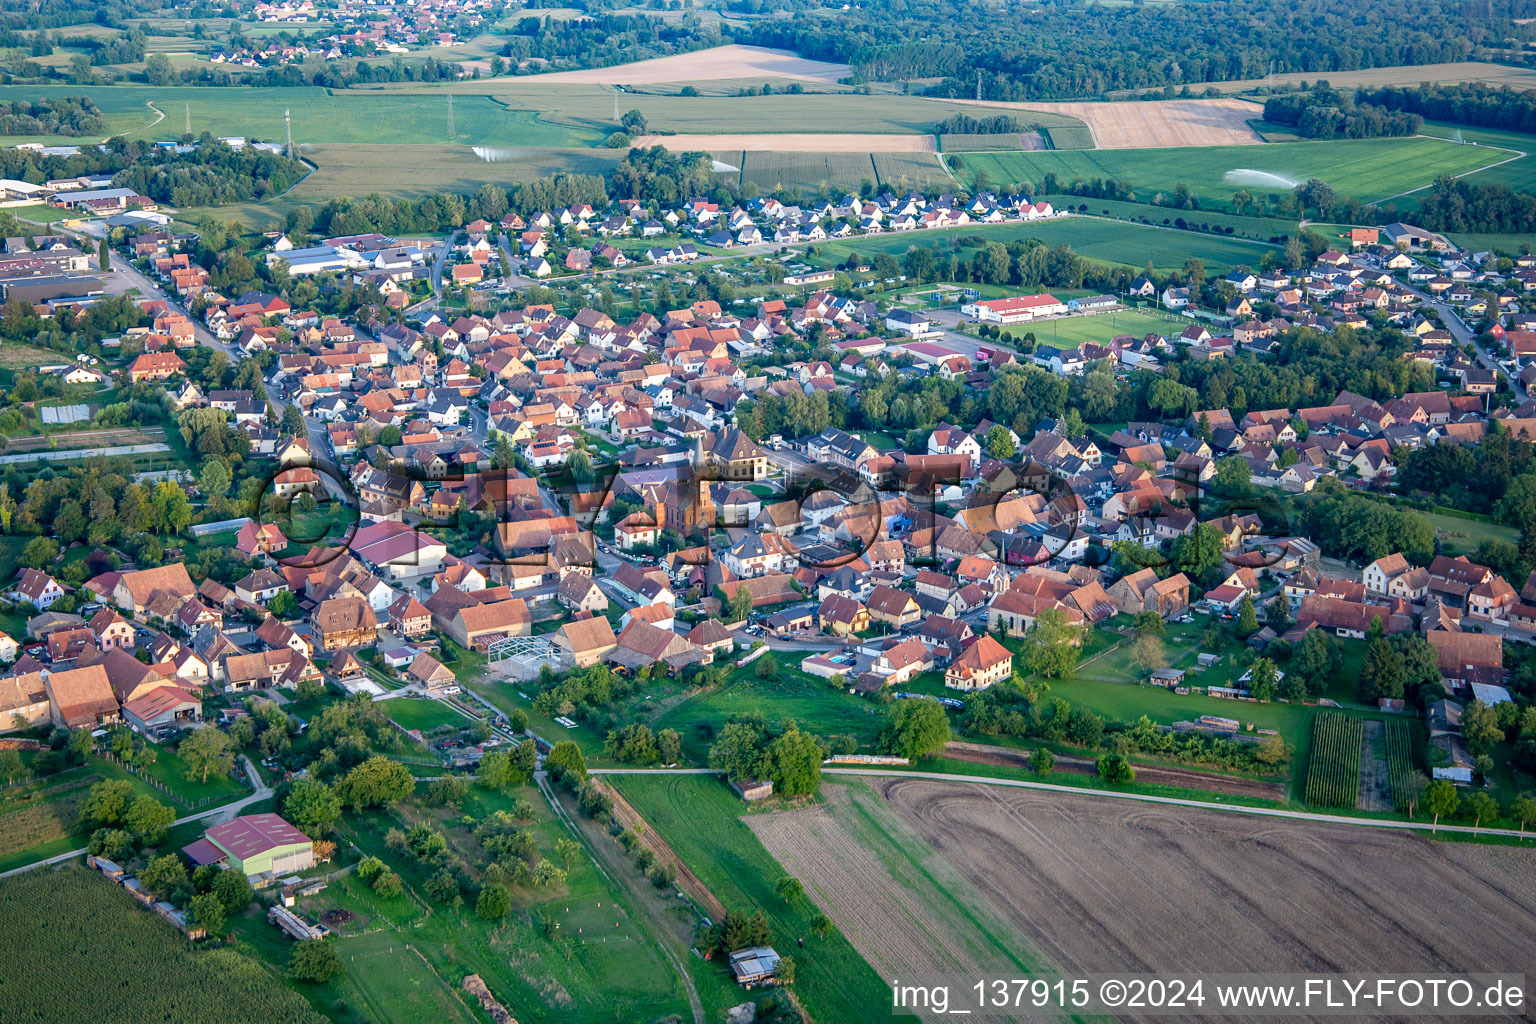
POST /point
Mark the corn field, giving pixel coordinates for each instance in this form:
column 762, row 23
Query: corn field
column 1333, row 767
column 1400, row 761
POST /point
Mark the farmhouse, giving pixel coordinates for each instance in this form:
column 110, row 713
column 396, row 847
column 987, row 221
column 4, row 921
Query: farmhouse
column 979, row 666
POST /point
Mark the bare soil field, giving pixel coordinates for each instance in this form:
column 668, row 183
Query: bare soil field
column 1094, row 885
column 705, row 65
column 1155, row 124
column 1157, row 775
column 790, row 142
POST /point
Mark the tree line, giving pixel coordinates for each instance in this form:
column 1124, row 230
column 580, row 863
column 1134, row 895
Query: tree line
column 63, row 115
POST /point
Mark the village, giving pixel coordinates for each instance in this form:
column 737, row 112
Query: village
column 476, row 526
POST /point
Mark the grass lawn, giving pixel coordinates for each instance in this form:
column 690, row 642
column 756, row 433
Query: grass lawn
column 1102, row 240
column 1459, row 536
column 700, row 819
column 40, row 213
column 423, row 714
column 169, row 769
column 1367, row 169
column 793, row 694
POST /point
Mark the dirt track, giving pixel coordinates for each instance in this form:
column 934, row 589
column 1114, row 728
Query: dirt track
column 719, row 62
column 1157, row 775
column 785, row 142
column 1153, row 124
column 1091, row 885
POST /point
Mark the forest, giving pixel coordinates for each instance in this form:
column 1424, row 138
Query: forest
column 1473, row 104
column 1056, row 49
column 66, row 115
column 1327, row 113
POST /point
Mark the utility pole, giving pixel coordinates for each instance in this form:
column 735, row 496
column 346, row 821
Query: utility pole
column 189, row 118
column 978, row 85
column 450, row 117
column 288, row 128
column 615, row 104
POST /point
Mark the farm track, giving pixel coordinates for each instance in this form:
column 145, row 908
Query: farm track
column 1157, row 775
column 686, row 879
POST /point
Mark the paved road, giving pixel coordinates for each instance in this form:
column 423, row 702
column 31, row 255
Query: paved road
column 224, row 811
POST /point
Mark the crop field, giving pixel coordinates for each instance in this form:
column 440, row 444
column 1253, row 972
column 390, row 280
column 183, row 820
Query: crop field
column 1517, row 174
column 1264, row 229
column 1149, row 124
column 902, row 171
column 1333, row 767
column 322, row 115
column 705, row 65
column 772, row 172
column 903, row 906
column 701, row 820
column 1091, row 884
column 396, row 171
column 1006, row 143
column 1367, row 169
column 58, row 920
column 1068, row 137
column 1446, row 74
column 1400, row 768
column 1107, row 241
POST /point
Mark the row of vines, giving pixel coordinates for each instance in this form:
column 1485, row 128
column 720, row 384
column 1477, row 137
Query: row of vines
column 1333, row 766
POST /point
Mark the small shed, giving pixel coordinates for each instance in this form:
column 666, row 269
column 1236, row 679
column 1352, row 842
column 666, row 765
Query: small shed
column 752, row 790
column 754, row 965
column 1169, row 677
column 1207, row 660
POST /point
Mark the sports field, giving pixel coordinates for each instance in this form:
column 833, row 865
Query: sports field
column 1367, row 169
column 1098, row 327
column 1104, row 240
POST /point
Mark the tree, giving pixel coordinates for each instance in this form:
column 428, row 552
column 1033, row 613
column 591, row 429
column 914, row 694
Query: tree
column 767, row 667
column 1263, row 679
column 233, row 890
column 376, row 782
column 207, row 751
column 1042, row 761
column 148, row 818
column 1194, row 272
column 632, row 744
column 1233, row 474
column 1052, row 646
column 493, row 902
column 312, row 806
column 104, row 252
column 11, row 766
column 1524, row 808
column 165, row 876
column 208, row 911
column 314, row 961
column 106, row 802
column 1115, row 769
column 788, row 888
column 1000, row 443
column 821, row 926
column 633, row 123
column 1479, row 806
column 669, row 746
column 1383, row 673
column 917, row 729
column 1200, row 553
column 1480, row 727
column 740, row 605
column 738, row 752
column 565, row 759
column 794, row 761
column 1441, row 800
column 448, row 791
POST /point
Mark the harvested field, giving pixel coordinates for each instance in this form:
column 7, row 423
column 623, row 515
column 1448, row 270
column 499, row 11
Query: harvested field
column 706, row 65
column 1155, row 775
column 1443, row 74
column 1154, row 124
column 1092, row 885
column 1008, row 142
column 793, row 143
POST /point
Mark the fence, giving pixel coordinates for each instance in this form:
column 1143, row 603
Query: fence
column 144, row 776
